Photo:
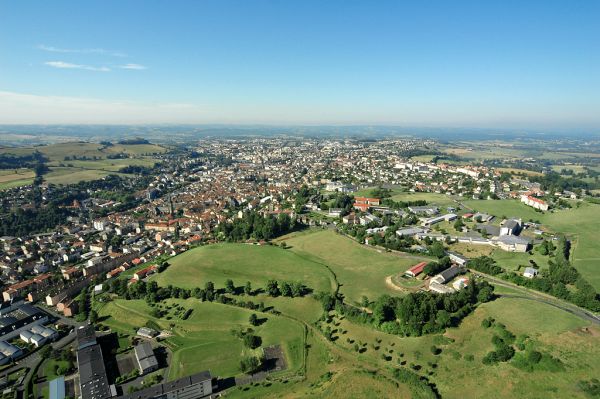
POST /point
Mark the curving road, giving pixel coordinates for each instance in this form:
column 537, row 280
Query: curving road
column 531, row 295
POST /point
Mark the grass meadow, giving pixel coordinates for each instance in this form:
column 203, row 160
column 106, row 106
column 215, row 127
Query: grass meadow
column 204, row 340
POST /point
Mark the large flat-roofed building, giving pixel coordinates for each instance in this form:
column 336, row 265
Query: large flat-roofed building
column 191, row 387
column 145, row 358
column 93, row 382
column 57, row 388
column 20, row 318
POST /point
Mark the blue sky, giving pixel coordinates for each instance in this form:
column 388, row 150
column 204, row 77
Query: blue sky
column 524, row 64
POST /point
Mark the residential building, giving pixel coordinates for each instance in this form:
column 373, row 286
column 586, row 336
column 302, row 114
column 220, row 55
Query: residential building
column 530, row 272
column 535, row 202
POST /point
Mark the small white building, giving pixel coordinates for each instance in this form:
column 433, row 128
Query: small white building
column 530, row 272
column 460, row 283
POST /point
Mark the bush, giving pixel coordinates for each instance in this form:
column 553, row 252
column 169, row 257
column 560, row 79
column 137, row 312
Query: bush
column 250, row 364
column 252, row 341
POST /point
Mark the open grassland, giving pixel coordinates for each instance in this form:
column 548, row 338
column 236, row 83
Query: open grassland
column 60, row 176
column 455, row 369
column 241, row 263
column 508, row 208
column 431, row 198
column 66, row 170
column 58, row 152
column 204, row 340
column 582, row 225
column 360, row 270
column 15, row 177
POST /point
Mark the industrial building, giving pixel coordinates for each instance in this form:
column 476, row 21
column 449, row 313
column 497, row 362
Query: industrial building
column 18, row 318
column 93, row 382
column 145, row 358
column 191, row 387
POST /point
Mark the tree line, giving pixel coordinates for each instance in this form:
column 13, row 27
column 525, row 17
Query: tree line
column 415, row 314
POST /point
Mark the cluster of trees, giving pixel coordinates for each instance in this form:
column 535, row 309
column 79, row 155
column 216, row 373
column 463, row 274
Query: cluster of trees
column 433, row 268
column 302, row 197
column 414, row 314
column 419, row 386
column 486, row 265
column 135, row 140
column 253, row 225
column 284, row 288
column 339, row 201
column 502, row 340
column 12, row 161
column 136, row 170
column 251, row 364
column 402, row 204
column 22, row 222
column 554, row 182
column 83, row 301
column 153, row 294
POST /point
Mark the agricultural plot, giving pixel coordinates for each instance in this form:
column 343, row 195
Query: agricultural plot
column 65, row 170
column 10, row 178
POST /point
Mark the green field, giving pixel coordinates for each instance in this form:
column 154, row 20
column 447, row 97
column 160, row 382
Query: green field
column 582, row 225
column 334, row 368
column 10, row 178
column 64, row 171
column 508, row 208
column 57, row 152
column 546, row 325
column 360, row 270
column 204, row 341
column 241, row 263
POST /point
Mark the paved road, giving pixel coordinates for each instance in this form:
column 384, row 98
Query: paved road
column 532, row 295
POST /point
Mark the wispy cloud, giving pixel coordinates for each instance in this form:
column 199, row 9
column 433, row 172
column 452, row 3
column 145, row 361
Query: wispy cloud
column 53, row 49
column 68, row 65
column 133, row 66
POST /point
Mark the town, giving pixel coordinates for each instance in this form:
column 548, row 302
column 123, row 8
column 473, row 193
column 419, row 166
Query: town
column 77, row 258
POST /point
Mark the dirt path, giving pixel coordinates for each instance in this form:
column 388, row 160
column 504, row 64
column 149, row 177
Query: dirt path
column 390, row 284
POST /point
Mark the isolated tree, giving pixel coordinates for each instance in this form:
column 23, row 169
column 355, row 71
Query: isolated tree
column 253, row 319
